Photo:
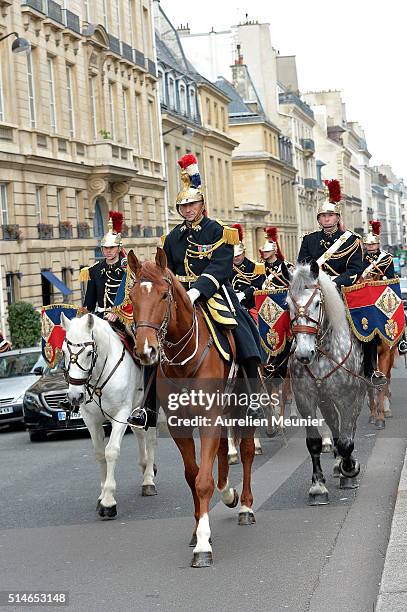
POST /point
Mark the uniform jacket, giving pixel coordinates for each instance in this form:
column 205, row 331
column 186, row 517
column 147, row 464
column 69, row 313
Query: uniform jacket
column 246, row 278
column 276, row 274
column 104, row 281
column 345, row 266
column 382, row 270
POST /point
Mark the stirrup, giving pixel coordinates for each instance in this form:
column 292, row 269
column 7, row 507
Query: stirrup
column 138, row 418
column 378, row 379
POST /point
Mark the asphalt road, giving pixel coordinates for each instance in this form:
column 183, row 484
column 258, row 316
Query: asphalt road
column 296, row 558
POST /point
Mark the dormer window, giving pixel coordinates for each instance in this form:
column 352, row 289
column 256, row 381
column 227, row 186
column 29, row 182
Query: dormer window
column 171, row 92
column 192, row 103
column 182, row 98
column 161, row 86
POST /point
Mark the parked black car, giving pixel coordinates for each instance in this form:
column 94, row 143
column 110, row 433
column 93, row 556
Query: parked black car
column 43, row 406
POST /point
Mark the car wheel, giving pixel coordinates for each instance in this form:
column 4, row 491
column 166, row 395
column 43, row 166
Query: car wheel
column 38, row 436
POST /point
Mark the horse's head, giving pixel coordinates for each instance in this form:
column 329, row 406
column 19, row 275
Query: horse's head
column 152, row 296
column 80, row 354
column 305, row 302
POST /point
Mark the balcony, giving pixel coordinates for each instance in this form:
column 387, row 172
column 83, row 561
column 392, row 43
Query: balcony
column 65, row 230
column 54, row 11
column 310, row 184
column 45, row 231
column 152, row 69
column 308, row 145
column 11, row 232
column 35, row 4
column 139, row 58
column 114, row 44
column 83, row 230
column 290, row 98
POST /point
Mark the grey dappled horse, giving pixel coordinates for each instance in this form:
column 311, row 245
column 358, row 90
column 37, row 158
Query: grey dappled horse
column 326, row 372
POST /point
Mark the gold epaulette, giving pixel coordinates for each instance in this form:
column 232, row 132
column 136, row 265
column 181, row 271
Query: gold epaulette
column 230, row 234
column 84, row 275
column 162, row 238
column 259, row 268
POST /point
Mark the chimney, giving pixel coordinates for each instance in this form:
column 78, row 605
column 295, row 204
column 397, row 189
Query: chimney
column 183, row 30
column 239, row 56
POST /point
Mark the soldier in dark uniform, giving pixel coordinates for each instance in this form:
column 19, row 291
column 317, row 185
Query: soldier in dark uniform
column 378, row 265
column 339, row 253
column 104, row 277
column 200, row 253
column 277, row 268
column 247, row 275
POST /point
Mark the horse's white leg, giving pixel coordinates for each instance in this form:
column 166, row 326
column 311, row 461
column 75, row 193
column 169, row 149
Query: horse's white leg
column 147, row 441
column 112, row 453
column 257, row 447
column 327, row 444
column 233, row 459
column 97, row 435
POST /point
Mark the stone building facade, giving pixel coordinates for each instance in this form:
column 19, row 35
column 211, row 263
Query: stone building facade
column 79, row 134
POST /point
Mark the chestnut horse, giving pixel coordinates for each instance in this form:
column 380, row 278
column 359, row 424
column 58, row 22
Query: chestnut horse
column 170, row 332
column 378, row 398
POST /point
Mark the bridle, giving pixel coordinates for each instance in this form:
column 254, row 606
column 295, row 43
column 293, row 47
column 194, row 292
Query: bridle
column 301, row 312
column 162, row 329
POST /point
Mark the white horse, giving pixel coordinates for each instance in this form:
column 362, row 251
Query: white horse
column 107, row 384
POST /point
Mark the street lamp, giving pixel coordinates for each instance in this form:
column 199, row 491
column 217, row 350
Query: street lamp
column 20, row 45
column 186, row 131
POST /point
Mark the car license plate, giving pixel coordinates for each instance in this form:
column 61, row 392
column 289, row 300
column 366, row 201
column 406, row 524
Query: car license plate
column 6, row 410
column 62, row 415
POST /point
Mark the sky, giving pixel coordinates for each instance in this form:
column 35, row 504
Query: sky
column 356, row 46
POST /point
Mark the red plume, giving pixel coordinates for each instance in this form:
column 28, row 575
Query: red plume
column 334, row 187
column 187, row 160
column 240, row 230
column 271, row 233
column 117, row 220
column 375, row 225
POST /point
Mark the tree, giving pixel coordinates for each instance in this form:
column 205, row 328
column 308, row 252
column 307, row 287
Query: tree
column 25, row 325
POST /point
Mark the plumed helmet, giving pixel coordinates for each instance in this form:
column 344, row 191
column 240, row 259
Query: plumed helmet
column 373, row 235
column 239, row 249
column 113, row 236
column 191, row 181
column 333, row 196
column 271, row 245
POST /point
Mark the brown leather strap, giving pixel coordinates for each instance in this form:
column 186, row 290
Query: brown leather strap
column 304, row 329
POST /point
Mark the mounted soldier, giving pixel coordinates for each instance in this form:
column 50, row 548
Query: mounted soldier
column 378, row 265
column 104, row 277
column 199, row 252
column 247, row 275
column 339, row 253
column 277, row 269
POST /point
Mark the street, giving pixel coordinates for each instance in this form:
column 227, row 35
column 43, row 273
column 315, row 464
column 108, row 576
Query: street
column 297, row 558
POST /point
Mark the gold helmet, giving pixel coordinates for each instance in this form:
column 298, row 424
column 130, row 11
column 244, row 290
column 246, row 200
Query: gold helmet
column 113, row 236
column 333, row 196
column 191, row 181
column 373, row 235
column 238, row 249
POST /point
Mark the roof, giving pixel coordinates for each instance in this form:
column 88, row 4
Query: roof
column 239, row 111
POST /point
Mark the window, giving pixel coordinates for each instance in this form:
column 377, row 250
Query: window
column 151, row 127
column 10, row 288
column 146, row 32
column 137, row 132
column 118, row 28
column 1, row 97
column 208, row 111
column 104, row 14
column 51, row 94
column 38, row 203
column 125, row 123
column 86, row 10
column 223, row 120
column 111, row 108
column 130, row 10
column 70, row 100
column 215, row 112
column 192, row 103
column 98, row 228
column 31, row 89
column 78, row 205
column 3, row 203
column 161, row 87
column 60, row 203
column 66, row 276
column 92, row 106
column 182, row 99
column 171, row 92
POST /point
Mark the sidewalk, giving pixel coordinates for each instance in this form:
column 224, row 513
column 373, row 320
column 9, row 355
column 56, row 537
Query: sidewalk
column 393, row 588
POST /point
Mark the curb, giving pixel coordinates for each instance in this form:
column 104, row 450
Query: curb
column 393, row 587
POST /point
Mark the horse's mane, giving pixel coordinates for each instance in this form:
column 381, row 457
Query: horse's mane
column 334, row 306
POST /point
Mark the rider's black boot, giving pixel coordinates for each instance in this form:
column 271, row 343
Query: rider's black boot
column 252, row 382
column 145, row 416
column 371, row 373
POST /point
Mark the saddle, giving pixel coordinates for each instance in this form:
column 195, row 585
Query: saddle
column 126, row 339
column 221, row 335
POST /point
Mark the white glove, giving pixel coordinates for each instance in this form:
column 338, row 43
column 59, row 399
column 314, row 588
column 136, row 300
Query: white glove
column 193, row 295
column 240, row 296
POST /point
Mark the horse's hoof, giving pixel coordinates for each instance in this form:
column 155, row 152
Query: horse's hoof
column 155, row 469
column 348, row 483
column 388, row 413
column 258, row 450
column 148, row 490
column 372, row 420
column 327, row 446
column 235, row 501
column 318, row 499
column 246, row 518
column 202, row 559
column 380, row 424
column 107, row 513
column 193, row 541
column 233, row 459
column 354, row 472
